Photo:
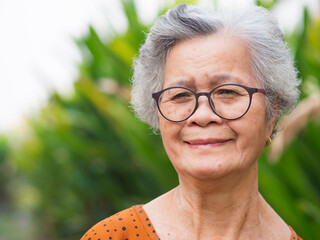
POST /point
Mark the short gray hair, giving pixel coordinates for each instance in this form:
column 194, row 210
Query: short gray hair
column 272, row 64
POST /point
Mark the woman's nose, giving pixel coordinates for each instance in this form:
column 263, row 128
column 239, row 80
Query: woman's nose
column 204, row 115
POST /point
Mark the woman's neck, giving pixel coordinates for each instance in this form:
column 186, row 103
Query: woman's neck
column 228, row 208
column 224, row 207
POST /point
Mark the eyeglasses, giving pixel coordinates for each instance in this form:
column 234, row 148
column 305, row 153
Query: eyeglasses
column 228, row 101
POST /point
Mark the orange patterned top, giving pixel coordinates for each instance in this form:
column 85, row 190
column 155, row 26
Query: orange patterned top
column 131, row 224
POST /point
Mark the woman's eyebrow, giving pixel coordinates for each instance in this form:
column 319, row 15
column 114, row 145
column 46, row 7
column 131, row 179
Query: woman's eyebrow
column 222, row 78
column 182, row 82
column 214, row 81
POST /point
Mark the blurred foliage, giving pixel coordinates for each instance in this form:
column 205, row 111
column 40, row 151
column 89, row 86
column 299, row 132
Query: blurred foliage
column 292, row 184
column 86, row 156
column 268, row 4
column 4, row 174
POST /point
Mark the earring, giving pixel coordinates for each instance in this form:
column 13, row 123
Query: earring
column 268, row 142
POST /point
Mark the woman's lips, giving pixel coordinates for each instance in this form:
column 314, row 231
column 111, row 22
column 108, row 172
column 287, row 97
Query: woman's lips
column 205, row 143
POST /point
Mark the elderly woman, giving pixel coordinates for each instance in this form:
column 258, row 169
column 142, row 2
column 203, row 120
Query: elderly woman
column 214, row 83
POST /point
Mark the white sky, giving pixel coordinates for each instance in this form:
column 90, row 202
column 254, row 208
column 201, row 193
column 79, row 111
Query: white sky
column 38, row 53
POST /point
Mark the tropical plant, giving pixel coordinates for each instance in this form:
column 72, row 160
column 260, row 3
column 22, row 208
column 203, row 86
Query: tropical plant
column 4, row 177
column 289, row 174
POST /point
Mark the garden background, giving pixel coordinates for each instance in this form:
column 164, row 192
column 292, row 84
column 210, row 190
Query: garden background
column 84, row 157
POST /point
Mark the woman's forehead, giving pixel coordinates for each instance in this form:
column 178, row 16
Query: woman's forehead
column 210, row 60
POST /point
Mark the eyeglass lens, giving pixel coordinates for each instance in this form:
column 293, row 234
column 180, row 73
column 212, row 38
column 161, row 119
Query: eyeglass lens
column 228, row 101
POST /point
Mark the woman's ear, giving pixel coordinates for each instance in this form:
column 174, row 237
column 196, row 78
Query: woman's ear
column 273, row 121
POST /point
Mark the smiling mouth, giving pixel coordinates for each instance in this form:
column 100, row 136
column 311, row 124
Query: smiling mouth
column 205, row 143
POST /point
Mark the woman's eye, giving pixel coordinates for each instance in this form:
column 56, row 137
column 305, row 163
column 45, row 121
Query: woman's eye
column 227, row 92
column 181, row 95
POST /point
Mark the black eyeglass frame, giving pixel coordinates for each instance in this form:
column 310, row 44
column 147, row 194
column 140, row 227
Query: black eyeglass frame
column 250, row 91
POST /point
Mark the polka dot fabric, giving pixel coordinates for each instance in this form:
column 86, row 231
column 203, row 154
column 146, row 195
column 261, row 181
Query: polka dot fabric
column 131, row 224
column 294, row 236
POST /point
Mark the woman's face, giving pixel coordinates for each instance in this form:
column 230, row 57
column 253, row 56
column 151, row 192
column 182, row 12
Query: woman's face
column 206, row 146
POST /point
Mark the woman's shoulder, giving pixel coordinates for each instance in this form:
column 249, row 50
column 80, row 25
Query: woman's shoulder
column 274, row 225
column 122, row 225
column 294, row 236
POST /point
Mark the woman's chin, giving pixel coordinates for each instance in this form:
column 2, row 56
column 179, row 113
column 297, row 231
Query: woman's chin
column 207, row 172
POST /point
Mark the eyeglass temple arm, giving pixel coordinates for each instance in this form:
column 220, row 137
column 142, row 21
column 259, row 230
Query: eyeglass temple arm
column 259, row 90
